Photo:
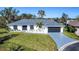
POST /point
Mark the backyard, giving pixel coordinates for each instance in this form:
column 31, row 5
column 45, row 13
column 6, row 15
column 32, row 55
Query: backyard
column 26, row 42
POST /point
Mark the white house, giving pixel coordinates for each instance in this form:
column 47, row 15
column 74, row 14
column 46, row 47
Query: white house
column 30, row 26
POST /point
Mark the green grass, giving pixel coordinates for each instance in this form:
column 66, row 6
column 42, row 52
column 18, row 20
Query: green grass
column 39, row 42
column 27, row 41
column 2, row 30
column 71, row 35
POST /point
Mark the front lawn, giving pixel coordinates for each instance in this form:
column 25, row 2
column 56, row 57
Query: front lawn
column 2, row 31
column 28, row 42
column 71, row 35
column 38, row 42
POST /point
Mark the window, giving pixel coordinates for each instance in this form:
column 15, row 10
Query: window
column 15, row 27
column 31, row 27
column 24, row 27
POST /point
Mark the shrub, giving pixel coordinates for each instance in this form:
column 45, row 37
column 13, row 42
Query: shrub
column 70, row 28
column 39, row 24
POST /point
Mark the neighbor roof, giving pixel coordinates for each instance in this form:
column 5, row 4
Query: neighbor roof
column 74, row 23
column 46, row 22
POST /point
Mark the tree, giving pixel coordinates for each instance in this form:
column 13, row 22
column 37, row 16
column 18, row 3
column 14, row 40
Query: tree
column 29, row 16
column 26, row 16
column 70, row 28
column 23, row 16
column 41, row 13
column 57, row 19
column 64, row 18
column 8, row 14
column 2, row 23
column 39, row 24
column 34, row 16
column 77, row 18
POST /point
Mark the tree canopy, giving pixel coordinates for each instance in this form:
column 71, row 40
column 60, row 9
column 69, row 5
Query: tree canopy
column 41, row 13
column 64, row 18
column 77, row 18
column 9, row 14
column 27, row 16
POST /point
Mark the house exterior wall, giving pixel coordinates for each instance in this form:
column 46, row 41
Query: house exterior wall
column 28, row 28
column 77, row 31
column 11, row 27
column 69, row 21
column 36, row 29
column 19, row 28
column 61, row 30
column 46, row 30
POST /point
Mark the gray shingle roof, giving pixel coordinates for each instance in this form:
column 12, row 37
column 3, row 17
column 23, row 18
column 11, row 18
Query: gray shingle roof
column 74, row 23
column 48, row 23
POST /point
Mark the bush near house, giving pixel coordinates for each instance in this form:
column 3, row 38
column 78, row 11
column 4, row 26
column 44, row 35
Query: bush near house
column 69, row 31
column 70, row 28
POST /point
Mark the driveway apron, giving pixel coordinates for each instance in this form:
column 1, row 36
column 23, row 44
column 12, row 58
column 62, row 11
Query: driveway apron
column 60, row 39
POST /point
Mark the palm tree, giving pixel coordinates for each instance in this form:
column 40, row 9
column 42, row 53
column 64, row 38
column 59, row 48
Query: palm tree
column 39, row 24
column 41, row 13
column 9, row 14
column 64, row 18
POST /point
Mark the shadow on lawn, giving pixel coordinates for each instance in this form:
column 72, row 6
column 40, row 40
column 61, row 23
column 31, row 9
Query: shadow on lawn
column 15, row 47
column 20, row 48
column 3, row 32
column 7, row 37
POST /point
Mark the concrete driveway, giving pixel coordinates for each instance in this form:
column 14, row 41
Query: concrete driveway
column 60, row 39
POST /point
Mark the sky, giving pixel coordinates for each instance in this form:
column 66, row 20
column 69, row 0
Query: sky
column 50, row 12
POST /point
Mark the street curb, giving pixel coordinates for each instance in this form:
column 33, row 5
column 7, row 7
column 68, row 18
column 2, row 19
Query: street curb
column 66, row 45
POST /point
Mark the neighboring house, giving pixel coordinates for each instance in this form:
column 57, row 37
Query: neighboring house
column 76, row 25
column 69, row 21
column 30, row 26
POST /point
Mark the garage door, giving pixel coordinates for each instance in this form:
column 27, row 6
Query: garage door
column 53, row 29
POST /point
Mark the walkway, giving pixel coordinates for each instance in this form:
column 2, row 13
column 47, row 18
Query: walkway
column 60, row 39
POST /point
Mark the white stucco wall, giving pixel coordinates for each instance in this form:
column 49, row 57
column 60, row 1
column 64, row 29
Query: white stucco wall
column 77, row 31
column 28, row 28
column 11, row 27
column 36, row 29
column 69, row 21
column 19, row 28
column 45, row 29
column 61, row 30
